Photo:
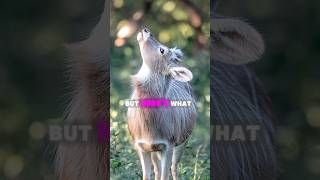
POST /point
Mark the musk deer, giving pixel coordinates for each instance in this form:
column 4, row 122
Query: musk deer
column 160, row 134
column 238, row 98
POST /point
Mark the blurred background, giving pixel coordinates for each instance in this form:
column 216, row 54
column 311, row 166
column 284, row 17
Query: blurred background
column 34, row 88
column 290, row 71
column 184, row 24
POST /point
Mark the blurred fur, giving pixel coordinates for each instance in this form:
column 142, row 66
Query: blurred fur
column 89, row 73
column 238, row 98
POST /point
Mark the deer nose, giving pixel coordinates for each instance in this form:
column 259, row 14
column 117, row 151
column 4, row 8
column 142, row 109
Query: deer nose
column 146, row 30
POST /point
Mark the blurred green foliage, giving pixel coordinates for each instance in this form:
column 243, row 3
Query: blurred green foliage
column 168, row 21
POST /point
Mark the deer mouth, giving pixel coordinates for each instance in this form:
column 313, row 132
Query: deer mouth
column 139, row 37
column 144, row 35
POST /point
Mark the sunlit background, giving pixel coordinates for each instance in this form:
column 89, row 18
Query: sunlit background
column 290, row 71
column 183, row 24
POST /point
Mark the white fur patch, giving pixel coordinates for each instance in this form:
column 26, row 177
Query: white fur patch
column 139, row 36
column 159, row 141
column 143, row 73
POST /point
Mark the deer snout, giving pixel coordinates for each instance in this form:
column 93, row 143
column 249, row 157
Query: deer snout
column 146, row 30
column 146, row 34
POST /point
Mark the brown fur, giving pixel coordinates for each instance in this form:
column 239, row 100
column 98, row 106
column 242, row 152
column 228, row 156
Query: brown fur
column 152, row 147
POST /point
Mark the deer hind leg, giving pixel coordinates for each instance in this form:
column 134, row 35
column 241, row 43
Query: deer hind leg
column 177, row 153
column 166, row 158
column 145, row 160
column 155, row 157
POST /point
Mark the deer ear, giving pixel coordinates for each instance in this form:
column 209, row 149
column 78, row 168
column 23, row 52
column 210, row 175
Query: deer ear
column 181, row 74
column 235, row 41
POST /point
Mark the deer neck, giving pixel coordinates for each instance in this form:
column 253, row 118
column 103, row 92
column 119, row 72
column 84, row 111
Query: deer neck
column 149, row 84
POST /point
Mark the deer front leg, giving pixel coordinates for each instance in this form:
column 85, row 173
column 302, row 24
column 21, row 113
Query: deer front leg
column 177, row 153
column 166, row 158
column 145, row 160
column 155, row 157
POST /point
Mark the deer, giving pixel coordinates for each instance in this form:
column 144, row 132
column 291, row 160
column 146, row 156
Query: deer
column 159, row 134
column 238, row 97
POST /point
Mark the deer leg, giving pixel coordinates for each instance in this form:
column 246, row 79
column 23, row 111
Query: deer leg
column 156, row 165
column 145, row 159
column 177, row 153
column 166, row 158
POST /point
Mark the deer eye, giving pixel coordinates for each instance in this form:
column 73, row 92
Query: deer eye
column 161, row 51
